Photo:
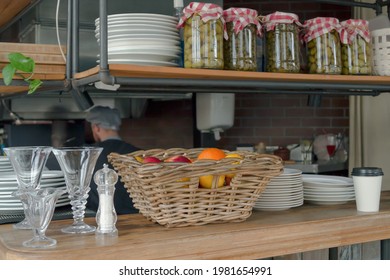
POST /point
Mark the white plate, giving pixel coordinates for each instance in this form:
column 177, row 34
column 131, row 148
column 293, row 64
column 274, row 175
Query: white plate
column 124, row 23
column 142, row 48
column 10, row 176
column 128, row 36
column 319, row 202
column 326, row 180
column 138, row 30
column 145, row 16
column 329, row 197
column 130, row 43
column 141, row 62
column 279, row 207
column 145, row 57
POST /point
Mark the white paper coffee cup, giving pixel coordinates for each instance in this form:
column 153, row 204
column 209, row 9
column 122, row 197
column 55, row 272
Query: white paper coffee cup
column 367, row 183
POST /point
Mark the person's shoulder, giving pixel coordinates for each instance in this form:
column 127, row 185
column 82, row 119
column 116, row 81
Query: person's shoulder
column 120, row 146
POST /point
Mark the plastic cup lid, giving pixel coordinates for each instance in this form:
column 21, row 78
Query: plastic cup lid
column 367, row 171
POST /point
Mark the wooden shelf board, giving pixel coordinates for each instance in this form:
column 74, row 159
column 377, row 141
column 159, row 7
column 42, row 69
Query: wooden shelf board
column 137, row 71
column 43, row 76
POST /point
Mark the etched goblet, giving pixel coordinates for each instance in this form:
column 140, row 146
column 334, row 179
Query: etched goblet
column 28, row 163
column 40, row 206
column 78, row 164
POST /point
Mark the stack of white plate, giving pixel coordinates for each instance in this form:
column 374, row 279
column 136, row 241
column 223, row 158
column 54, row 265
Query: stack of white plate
column 142, row 39
column 8, row 184
column 327, row 189
column 5, row 165
column 282, row 192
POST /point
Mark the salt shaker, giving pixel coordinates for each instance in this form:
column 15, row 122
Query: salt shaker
column 106, row 217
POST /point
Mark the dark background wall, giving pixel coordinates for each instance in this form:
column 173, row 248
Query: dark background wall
column 271, row 118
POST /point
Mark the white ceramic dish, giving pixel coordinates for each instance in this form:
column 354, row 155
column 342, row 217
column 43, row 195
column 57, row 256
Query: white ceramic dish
column 326, row 180
column 129, row 36
column 143, row 16
column 137, row 22
column 138, row 30
column 141, row 62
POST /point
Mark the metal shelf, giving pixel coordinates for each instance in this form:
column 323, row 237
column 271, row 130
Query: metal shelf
column 144, row 79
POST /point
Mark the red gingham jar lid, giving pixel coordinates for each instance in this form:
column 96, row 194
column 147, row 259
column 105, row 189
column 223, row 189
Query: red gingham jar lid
column 271, row 20
column 241, row 17
column 353, row 27
column 319, row 26
column 206, row 11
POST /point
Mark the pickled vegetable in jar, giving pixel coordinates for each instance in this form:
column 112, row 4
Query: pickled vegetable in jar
column 322, row 36
column 356, row 56
column 204, row 31
column 239, row 49
column 282, row 51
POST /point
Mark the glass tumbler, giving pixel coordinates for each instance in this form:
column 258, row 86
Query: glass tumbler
column 28, row 163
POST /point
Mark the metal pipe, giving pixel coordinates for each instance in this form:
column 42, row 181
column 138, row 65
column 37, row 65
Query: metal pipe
column 209, row 84
column 347, row 3
column 75, row 37
column 68, row 74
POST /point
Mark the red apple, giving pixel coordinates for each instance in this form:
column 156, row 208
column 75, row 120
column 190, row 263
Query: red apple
column 178, row 159
column 151, row 159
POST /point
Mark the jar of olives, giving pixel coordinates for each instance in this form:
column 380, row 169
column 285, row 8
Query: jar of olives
column 356, row 56
column 282, row 44
column 322, row 37
column 239, row 50
column 204, row 31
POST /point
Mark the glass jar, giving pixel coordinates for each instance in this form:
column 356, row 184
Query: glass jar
column 356, row 55
column 240, row 49
column 282, row 45
column 323, row 46
column 203, row 36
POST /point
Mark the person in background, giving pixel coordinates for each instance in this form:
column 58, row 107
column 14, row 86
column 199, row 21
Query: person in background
column 105, row 124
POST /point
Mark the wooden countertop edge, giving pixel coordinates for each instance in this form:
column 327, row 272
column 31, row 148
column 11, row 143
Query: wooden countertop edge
column 263, row 235
column 127, row 70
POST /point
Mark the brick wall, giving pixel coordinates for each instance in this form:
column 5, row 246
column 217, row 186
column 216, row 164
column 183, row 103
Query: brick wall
column 270, row 118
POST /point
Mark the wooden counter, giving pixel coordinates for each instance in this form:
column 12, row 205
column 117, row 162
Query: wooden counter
column 264, row 234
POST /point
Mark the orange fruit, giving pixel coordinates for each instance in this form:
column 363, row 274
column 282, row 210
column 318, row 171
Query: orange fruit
column 207, row 180
column 212, row 153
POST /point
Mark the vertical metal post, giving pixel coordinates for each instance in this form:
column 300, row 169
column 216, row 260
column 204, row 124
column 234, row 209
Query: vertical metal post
column 103, row 35
column 69, row 36
column 75, row 37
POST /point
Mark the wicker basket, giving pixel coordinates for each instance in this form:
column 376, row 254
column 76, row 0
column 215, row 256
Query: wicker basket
column 381, row 51
column 168, row 193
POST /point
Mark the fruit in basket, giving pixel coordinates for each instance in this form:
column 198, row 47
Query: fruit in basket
column 212, row 153
column 151, row 159
column 229, row 177
column 178, row 159
column 207, row 180
column 139, row 159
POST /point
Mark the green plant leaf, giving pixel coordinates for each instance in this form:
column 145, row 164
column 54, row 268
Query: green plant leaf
column 8, row 74
column 34, row 85
column 21, row 62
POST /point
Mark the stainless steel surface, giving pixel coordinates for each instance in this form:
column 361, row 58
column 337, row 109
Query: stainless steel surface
column 319, row 167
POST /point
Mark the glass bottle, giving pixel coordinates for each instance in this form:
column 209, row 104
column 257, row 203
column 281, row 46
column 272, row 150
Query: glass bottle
column 282, row 51
column 240, row 49
column 204, row 31
column 106, row 216
column 356, row 48
column 323, row 45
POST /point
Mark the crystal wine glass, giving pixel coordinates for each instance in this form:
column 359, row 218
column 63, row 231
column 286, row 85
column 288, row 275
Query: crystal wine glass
column 28, row 163
column 331, row 145
column 40, row 206
column 78, row 164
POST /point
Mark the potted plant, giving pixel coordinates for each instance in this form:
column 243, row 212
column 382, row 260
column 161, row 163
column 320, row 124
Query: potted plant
column 23, row 67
